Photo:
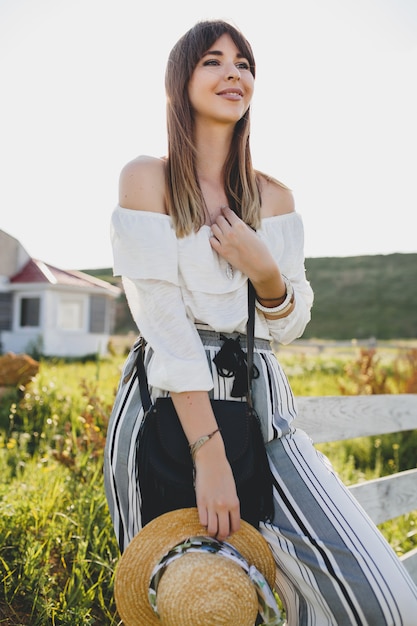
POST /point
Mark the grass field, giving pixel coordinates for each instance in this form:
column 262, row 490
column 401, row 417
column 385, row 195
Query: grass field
column 57, row 549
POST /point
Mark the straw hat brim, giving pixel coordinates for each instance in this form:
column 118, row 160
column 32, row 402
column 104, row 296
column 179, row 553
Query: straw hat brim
column 154, row 541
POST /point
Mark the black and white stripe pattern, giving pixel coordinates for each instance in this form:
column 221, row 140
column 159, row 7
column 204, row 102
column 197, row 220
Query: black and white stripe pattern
column 334, row 568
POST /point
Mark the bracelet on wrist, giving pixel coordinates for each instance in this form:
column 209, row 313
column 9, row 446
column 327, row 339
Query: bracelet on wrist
column 284, row 306
column 277, row 301
column 282, row 311
column 195, row 447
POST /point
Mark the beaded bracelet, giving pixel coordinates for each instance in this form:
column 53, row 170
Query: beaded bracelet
column 282, row 312
column 195, row 447
column 284, row 306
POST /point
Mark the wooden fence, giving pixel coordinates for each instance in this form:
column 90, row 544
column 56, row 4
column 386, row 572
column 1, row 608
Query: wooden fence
column 336, row 418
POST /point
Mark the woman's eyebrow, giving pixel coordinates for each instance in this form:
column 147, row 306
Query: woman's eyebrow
column 219, row 53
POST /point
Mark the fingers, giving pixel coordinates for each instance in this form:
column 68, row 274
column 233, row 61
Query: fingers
column 216, row 231
column 220, row 524
column 229, row 215
column 225, row 221
column 229, row 228
column 224, row 234
column 203, row 515
column 213, row 525
column 221, row 227
column 235, row 520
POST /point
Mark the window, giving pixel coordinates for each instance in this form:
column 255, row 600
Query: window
column 70, row 314
column 97, row 314
column 30, row 312
column 6, row 311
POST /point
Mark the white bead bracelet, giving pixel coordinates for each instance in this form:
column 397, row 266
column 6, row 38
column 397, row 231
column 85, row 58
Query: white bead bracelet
column 284, row 306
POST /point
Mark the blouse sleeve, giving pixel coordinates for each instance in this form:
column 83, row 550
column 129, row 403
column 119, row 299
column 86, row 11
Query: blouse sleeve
column 146, row 256
column 287, row 246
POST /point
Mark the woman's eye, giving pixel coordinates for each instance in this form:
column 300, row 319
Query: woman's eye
column 241, row 65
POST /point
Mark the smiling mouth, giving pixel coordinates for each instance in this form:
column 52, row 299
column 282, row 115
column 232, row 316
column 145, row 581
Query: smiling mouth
column 231, row 92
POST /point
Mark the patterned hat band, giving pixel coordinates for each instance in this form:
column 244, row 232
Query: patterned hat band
column 267, row 605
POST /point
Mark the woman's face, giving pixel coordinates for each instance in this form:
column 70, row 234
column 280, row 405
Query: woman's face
column 222, row 85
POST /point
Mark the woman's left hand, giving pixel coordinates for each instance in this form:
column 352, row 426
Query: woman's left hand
column 239, row 245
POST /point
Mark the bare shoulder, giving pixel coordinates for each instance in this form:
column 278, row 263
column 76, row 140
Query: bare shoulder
column 142, row 185
column 277, row 198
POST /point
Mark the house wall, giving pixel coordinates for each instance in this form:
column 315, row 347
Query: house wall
column 63, row 325
column 53, row 344
column 66, row 326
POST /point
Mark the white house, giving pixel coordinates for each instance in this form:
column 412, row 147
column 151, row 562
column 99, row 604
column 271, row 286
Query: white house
column 55, row 312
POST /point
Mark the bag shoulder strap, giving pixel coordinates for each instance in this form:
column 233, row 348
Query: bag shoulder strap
column 250, row 339
column 142, row 377
column 250, row 332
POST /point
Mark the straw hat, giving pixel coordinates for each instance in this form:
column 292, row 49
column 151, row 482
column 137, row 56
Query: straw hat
column 197, row 589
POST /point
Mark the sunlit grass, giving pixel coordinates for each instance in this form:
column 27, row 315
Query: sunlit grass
column 57, row 548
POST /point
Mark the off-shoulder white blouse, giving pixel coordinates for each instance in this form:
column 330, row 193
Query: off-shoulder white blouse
column 173, row 283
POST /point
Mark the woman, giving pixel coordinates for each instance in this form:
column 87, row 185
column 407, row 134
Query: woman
column 189, row 232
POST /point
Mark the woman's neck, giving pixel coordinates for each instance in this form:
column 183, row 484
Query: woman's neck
column 212, row 147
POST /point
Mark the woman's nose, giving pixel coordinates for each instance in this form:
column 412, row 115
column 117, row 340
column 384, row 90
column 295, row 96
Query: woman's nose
column 233, row 73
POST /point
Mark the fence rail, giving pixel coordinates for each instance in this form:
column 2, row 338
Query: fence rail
column 337, row 418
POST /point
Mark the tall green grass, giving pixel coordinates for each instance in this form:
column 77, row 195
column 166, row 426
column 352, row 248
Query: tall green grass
column 57, row 548
column 58, row 551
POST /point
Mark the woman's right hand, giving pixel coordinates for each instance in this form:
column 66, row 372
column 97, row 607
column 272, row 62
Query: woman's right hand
column 217, row 501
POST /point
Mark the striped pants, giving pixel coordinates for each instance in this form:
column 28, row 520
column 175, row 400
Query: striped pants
column 334, row 568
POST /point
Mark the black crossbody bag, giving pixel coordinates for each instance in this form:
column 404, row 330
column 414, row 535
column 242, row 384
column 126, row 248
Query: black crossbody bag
column 165, row 468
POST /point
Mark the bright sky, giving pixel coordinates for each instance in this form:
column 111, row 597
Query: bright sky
column 334, row 115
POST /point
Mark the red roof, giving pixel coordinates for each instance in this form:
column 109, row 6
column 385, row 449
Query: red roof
column 39, row 272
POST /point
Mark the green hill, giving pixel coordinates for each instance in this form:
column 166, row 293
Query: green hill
column 364, row 296
column 355, row 297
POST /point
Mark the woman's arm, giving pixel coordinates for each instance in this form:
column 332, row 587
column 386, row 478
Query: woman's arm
column 179, row 363
column 217, row 501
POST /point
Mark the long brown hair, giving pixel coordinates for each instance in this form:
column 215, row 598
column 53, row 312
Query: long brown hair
column 184, row 198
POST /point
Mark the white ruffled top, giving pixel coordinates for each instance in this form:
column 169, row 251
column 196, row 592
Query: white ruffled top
column 173, row 283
